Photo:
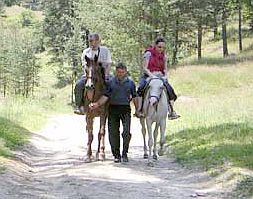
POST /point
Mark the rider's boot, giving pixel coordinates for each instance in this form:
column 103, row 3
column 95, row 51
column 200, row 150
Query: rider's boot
column 79, row 110
column 172, row 114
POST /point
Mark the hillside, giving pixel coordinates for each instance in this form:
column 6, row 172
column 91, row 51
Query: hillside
column 214, row 134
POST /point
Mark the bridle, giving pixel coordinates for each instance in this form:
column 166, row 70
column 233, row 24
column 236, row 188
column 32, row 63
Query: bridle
column 155, row 96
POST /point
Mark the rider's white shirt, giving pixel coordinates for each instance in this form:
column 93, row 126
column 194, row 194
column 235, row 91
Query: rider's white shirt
column 104, row 56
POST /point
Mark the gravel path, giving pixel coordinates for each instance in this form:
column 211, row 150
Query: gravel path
column 52, row 167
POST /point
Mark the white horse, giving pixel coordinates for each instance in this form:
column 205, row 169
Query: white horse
column 155, row 109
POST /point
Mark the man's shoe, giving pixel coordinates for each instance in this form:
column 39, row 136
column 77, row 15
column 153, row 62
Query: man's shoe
column 79, row 110
column 173, row 115
column 117, row 159
column 124, row 158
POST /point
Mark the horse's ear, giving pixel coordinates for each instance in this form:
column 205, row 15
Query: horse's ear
column 96, row 58
column 102, row 71
column 87, row 59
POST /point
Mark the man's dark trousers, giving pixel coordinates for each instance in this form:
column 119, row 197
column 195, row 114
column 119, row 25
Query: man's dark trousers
column 119, row 113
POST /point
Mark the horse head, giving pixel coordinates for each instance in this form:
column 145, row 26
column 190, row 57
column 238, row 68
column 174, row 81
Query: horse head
column 95, row 76
column 155, row 88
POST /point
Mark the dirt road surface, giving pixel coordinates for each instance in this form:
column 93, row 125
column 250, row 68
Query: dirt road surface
column 52, row 167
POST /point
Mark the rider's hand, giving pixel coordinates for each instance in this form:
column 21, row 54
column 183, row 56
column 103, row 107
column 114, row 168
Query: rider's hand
column 164, row 77
column 93, row 106
column 152, row 76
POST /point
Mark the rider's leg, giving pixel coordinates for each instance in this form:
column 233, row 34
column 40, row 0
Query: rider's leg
column 172, row 98
column 79, row 99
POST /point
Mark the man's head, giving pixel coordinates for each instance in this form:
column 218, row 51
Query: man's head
column 160, row 44
column 94, row 40
column 121, row 71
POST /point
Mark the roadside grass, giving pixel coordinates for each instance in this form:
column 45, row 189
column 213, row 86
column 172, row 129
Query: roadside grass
column 244, row 189
column 212, row 53
column 12, row 136
column 215, row 132
column 217, row 110
column 19, row 113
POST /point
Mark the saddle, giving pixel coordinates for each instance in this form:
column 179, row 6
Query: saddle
column 145, row 90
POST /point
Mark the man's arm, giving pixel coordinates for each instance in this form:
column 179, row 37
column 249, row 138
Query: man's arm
column 134, row 96
column 108, row 62
column 166, row 66
column 102, row 100
column 107, row 69
column 147, row 56
column 83, row 62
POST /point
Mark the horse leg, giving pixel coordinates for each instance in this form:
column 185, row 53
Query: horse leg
column 101, row 140
column 162, row 137
column 143, row 130
column 89, row 129
column 155, row 139
column 150, row 141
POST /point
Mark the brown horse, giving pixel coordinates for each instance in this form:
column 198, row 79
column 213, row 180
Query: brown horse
column 94, row 88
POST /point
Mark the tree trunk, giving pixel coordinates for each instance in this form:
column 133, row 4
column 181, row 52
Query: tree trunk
column 215, row 33
column 251, row 25
column 215, row 26
column 175, row 46
column 240, row 25
column 224, row 32
column 199, row 41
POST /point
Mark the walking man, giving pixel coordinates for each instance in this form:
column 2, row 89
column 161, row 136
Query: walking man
column 120, row 91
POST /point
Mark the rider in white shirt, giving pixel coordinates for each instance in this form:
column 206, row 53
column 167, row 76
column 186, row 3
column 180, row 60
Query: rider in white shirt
column 104, row 57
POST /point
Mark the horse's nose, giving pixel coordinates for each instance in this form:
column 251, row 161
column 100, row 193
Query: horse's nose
column 90, row 87
column 89, row 84
column 153, row 100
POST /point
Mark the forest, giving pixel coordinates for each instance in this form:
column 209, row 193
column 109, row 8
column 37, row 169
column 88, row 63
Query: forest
column 209, row 44
column 127, row 27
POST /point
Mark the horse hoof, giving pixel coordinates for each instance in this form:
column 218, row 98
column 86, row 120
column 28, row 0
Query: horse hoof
column 160, row 153
column 87, row 160
column 101, row 157
column 150, row 164
column 145, row 156
column 155, row 157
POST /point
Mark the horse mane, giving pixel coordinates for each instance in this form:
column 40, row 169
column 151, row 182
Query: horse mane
column 95, row 84
column 160, row 108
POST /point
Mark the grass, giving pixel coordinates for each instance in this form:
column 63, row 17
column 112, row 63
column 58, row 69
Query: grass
column 244, row 189
column 19, row 114
column 12, row 136
column 217, row 110
column 215, row 132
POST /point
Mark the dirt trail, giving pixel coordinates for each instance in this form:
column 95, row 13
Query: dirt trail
column 52, row 167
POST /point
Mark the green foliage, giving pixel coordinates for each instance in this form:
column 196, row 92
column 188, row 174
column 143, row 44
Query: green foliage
column 244, row 188
column 215, row 132
column 63, row 37
column 27, row 18
column 18, row 63
column 128, row 27
column 10, row 2
column 216, row 145
column 12, row 135
column 1, row 8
